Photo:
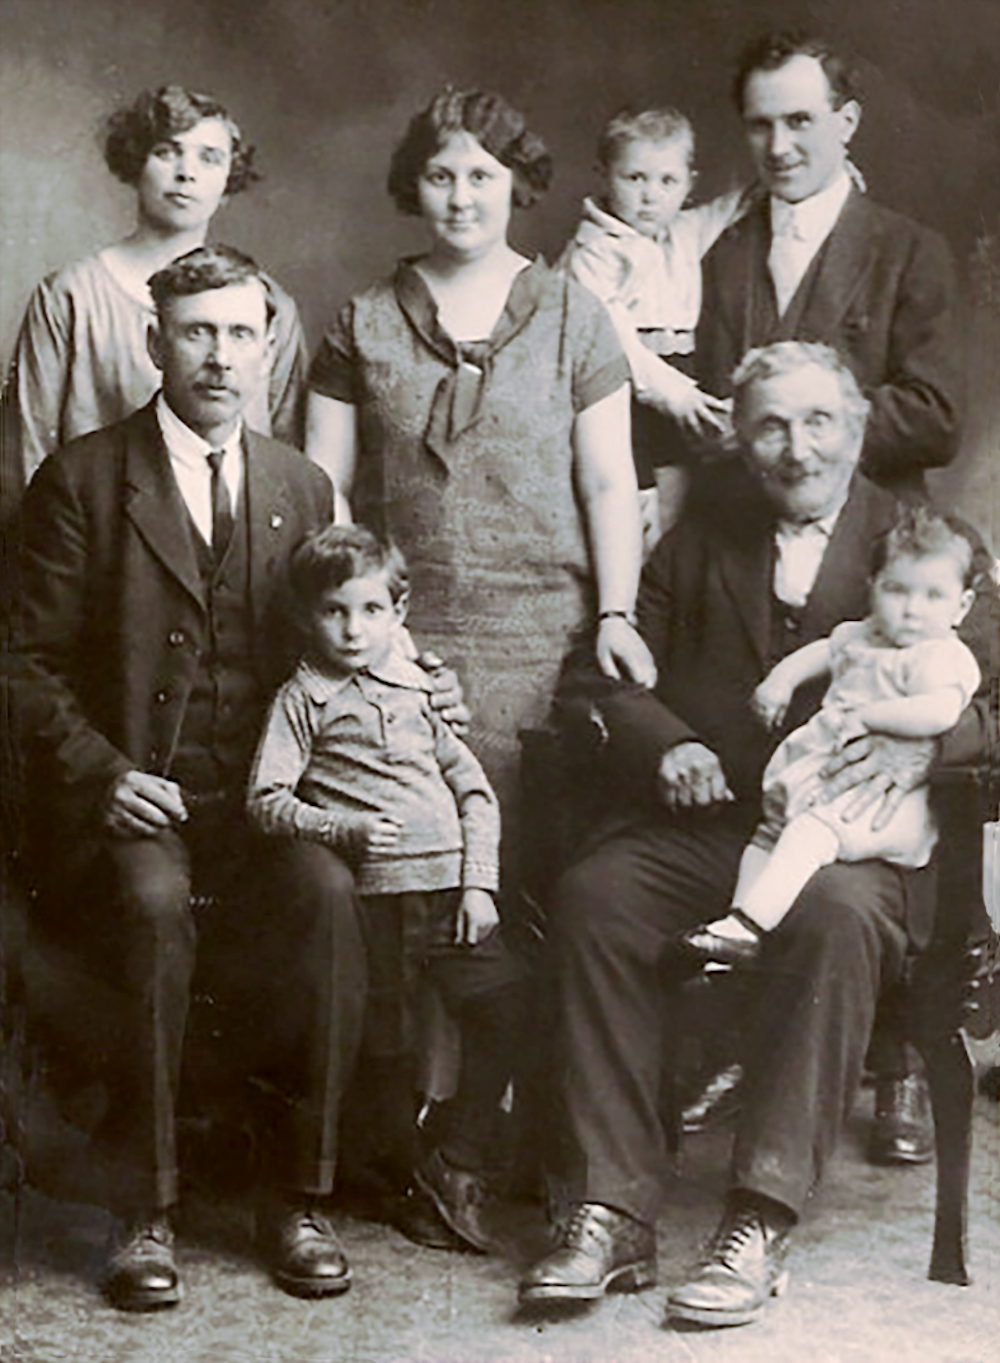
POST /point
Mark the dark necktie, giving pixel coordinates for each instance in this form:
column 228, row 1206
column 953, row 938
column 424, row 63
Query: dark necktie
column 222, row 510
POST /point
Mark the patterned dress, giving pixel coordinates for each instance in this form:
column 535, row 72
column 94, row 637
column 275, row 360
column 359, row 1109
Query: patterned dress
column 465, row 459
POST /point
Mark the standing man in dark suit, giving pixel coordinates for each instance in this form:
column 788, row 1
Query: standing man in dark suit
column 772, row 551
column 149, row 639
column 817, row 260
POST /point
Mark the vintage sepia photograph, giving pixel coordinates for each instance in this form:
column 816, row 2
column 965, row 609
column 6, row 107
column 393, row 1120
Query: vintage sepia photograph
column 500, row 685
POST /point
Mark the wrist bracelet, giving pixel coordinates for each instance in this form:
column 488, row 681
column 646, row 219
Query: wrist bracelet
column 627, row 616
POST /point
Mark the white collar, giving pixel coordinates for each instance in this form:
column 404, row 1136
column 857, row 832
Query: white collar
column 824, row 526
column 397, row 670
column 186, row 446
column 812, row 219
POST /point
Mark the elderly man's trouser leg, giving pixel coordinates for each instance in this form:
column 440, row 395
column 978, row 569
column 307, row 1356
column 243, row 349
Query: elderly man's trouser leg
column 615, row 922
column 821, row 973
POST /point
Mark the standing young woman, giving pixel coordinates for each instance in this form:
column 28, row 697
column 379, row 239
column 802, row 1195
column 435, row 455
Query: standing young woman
column 81, row 360
column 475, row 407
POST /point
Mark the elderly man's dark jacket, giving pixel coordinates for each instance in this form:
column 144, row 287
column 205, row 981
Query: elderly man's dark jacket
column 880, row 291
column 707, row 612
column 111, row 612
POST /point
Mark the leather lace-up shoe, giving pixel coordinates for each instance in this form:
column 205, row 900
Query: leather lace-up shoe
column 599, row 1249
column 141, row 1274
column 903, row 1129
column 459, row 1196
column 304, row 1253
column 743, row 1268
column 706, row 947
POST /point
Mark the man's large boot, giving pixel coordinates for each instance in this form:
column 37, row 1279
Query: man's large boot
column 600, row 1248
column 141, row 1274
column 743, row 1268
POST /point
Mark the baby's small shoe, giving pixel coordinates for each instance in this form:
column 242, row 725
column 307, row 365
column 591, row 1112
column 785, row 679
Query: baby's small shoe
column 712, row 943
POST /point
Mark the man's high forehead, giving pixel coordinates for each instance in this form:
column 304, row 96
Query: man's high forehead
column 806, row 386
column 244, row 301
column 797, row 83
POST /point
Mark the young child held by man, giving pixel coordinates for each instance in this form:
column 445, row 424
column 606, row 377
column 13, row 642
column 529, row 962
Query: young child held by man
column 639, row 248
column 354, row 757
column 902, row 671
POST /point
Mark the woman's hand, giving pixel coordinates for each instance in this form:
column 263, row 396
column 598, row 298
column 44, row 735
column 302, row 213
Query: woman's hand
column 446, row 696
column 477, row 917
column 622, row 652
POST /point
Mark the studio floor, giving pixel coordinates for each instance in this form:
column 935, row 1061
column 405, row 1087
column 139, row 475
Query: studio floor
column 858, row 1289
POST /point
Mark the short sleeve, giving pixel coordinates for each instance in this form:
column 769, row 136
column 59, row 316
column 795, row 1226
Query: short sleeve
column 599, row 364
column 336, row 371
column 940, row 663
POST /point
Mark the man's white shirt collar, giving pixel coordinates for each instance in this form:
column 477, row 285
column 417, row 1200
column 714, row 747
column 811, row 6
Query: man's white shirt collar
column 800, row 549
column 188, row 454
column 811, row 220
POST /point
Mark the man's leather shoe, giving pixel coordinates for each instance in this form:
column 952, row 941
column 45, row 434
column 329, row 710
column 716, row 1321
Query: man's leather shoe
column 459, row 1196
column 743, row 1268
column 705, row 947
column 304, row 1253
column 599, row 1249
column 903, row 1129
column 141, row 1274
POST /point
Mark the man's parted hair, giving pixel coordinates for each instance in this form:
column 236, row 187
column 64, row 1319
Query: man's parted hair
column 649, row 125
column 772, row 50
column 784, row 357
column 495, row 125
column 158, row 115
column 204, row 268
column 337, row 554
column 923, row 532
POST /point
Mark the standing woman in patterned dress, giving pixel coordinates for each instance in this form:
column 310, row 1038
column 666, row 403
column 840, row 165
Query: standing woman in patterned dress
column 81, row 360
column 475, row 408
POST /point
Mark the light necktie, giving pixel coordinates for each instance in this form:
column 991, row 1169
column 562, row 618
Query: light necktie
column 786, row 260
column 222, row 509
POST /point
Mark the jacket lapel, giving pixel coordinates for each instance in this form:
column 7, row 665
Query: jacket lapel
column 745, row 555
column 268, row 517
column 155, row 505
column 830, row 285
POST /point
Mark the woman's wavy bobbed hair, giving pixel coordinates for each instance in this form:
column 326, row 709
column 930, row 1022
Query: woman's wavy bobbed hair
column 497, row 128
column 156, row 116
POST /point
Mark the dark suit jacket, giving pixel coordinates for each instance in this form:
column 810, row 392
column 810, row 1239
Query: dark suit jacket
column 704, row 609
column 881, row 291
column 111, row 613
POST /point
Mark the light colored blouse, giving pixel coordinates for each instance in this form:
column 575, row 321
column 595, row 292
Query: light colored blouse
column 81, row 363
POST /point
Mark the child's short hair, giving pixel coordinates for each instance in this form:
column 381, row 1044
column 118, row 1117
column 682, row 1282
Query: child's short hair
column 922, row 532
column 650, row 125
column 337, row 554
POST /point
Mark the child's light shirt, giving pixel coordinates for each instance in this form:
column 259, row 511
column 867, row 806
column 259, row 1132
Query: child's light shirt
column 337, row 751
column 652, row 289
column 864, row 669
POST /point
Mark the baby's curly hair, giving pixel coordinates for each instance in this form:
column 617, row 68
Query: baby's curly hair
column 920, row 531
column 497, row 127
column 157, row 115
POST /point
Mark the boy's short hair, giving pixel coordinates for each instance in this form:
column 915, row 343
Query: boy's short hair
column 204, row 268
column 337, row 554
column 157, row 115
column 772, row 50
column 495, row 125
column 649, row 125
column 920, row 531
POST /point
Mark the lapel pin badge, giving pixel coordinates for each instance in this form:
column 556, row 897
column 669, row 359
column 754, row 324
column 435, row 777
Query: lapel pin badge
column 276, row 521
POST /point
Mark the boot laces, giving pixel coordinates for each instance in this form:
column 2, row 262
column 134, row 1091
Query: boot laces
column 736, row 1236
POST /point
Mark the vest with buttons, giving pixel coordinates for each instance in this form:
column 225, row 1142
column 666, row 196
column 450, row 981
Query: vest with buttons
column 222, row 718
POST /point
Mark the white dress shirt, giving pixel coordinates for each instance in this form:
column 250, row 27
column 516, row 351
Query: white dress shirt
column 189, row 460
column 800, row 550
column 798, row 231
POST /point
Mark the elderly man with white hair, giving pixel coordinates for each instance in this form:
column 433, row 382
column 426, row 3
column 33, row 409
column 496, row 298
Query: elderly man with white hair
column 772, row 552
